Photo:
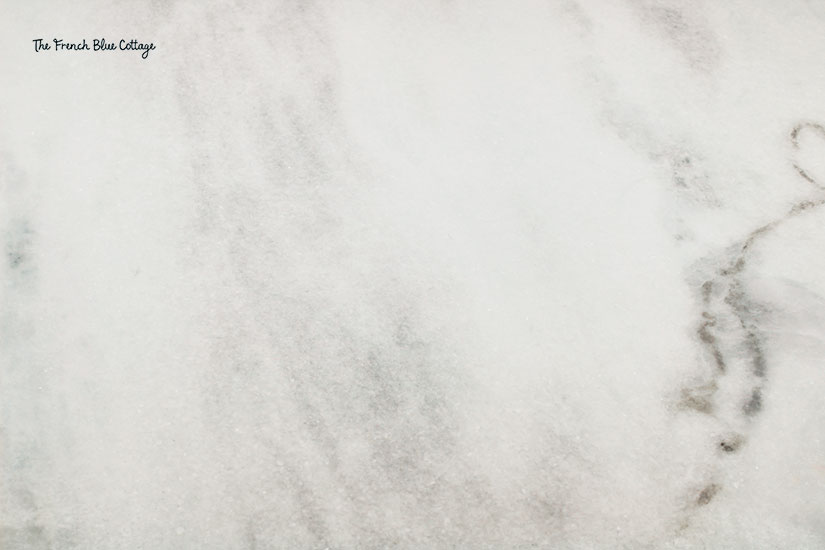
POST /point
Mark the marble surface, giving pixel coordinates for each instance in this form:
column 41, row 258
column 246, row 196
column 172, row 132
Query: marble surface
column 432, row 274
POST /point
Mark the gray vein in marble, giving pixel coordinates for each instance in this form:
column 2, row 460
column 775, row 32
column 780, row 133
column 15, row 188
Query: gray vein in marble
column 730, row 329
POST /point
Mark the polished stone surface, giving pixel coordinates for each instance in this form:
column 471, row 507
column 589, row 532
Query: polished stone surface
column 433, row 274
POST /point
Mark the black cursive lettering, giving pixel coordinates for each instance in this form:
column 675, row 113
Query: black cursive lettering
column 40, row 45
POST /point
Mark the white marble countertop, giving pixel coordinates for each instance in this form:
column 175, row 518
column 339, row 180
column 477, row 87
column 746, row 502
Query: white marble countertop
column 432, row 274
